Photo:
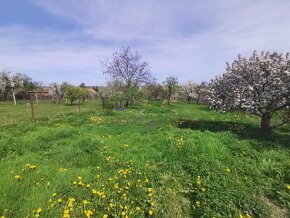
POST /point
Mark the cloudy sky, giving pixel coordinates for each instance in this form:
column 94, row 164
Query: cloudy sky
column 64, row 40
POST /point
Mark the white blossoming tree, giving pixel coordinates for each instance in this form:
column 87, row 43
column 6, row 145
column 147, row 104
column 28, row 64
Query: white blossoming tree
column 57, row 91
column 259, row 85
column 189, row 91
column 11, row 83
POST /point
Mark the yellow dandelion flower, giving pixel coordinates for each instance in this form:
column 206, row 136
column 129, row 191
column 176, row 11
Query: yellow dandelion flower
column 123, row 213
column 197, row 203
column 203, row 189
column 85, row 202
column 248, row 215
column 228, row 170
column 150, row 190
column 38, row 210
column 241, row 215
column 66, row 211
column 138, row 208
column 288, row 187
column 72, row 199
column 152, row 204
column 17, row 177
column 150, row 212
column 54, row 194
column 88, row 213
column 105, row 216
column 59, row 200
column 80, row 178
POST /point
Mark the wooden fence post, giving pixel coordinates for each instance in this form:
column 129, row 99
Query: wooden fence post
column 32, row 108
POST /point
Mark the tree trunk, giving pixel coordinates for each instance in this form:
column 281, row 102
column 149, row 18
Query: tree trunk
column 32, row 108
column 36, row 96
column 14, row 99
column 266, row 121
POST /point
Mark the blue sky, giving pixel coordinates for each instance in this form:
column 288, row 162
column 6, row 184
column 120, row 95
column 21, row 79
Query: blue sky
column 64, row 40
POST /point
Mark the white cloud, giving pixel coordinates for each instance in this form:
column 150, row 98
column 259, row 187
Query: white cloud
column 191, row 39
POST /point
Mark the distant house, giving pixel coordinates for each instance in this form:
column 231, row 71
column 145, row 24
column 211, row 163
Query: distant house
column 40, row 95
column 91, row 91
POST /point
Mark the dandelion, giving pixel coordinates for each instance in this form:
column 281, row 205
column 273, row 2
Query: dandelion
column 54, row 194
column 203, row 189
column 248, row 215
column 197, row 203
column 138, row 208
column 288, row 187
column 150, row 212
column 59, row 200
column 123, row 213
column 105, row 216
column 88, row 213
column 85, row 202
column 17, row 177
column 198, row 181
column 38, row 210
column 228, row 170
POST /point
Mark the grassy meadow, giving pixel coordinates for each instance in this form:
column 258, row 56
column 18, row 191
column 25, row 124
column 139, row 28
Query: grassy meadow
column 150, row 160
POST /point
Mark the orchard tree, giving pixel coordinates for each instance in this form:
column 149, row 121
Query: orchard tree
column 12, row 83
column 75, row 93
column 220, row 94
column 189, row 91
column 260, row 85
column 170, row 84
column 57, row 91
column 5, row 84
column 154, row 91
column 202, row 92
column 128, row 69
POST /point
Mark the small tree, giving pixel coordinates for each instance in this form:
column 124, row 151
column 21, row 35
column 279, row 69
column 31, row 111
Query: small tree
column 75, row 93
column 11, row 83
column 202, row 93
column 154, row 91
column 57, row 91
column 129, row 70
column 260, row 85
column 189, row 91
column 170, row 84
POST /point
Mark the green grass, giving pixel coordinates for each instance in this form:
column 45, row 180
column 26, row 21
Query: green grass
column 182, row 160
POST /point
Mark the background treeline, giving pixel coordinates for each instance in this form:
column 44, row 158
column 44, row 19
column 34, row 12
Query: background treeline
column 258, row 85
